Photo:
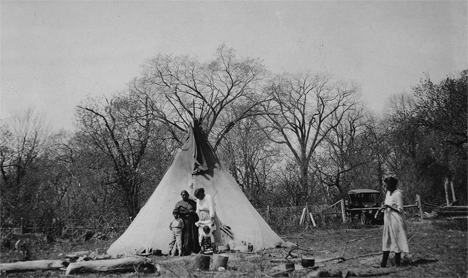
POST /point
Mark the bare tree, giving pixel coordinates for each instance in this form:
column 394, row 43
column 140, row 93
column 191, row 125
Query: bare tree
column 304, row 110
column 120, row 130
column 346, row 148
column 25, row 139
column 219, row 93
column 25, row 136
column 251, row 159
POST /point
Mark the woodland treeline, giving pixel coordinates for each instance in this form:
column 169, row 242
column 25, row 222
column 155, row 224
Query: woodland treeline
column 287, row 139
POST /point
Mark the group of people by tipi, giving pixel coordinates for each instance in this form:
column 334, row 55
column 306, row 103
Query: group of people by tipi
column 237, row 221
column 196, row 166
column 193, row 224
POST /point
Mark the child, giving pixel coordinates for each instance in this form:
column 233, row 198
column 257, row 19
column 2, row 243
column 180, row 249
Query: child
column 176, row 226
column 206, row 239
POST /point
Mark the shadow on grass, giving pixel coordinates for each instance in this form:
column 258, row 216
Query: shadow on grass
column 421, row 262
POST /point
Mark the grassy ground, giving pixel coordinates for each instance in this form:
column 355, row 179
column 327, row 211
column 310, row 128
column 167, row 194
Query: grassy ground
column 438, row 248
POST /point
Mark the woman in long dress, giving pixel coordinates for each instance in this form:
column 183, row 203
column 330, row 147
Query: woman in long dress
column 187, row 211
column 205, row 210
column 394, row 231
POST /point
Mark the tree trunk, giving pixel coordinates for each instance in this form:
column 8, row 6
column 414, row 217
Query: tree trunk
column 129, row 264
column 127, row 183
column 31, row 266
column 304, row 182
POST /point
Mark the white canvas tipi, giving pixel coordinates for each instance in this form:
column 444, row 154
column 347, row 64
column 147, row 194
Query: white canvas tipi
column 196, row 166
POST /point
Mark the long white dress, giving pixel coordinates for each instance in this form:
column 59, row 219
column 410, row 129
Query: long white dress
column 206, row 211
column 395, row 237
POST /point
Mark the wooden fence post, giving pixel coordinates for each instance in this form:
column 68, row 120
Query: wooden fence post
column 312, row 219
column 303, row 216
column 418, row 200
column 454, row 198
column 446, row 192
column 343, row 212
column 307, row 213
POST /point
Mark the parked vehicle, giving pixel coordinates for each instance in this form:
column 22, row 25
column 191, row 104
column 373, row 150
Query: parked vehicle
column 364, row 205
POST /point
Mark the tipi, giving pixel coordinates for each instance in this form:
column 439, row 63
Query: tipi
column 196, row 166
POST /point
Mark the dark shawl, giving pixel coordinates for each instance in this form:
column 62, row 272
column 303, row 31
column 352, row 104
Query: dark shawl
column 190, row 231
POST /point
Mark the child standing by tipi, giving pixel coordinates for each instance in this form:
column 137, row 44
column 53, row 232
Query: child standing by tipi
column 176, row 226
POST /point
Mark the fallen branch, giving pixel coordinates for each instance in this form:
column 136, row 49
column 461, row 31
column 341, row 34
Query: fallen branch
column 284, row 260
column 298, row 260
column 294, row 255
column 365, row 255
column 32, row 265
column 290, row 253
column 129, row 264
column 352, row 272
column 340, row 258
column 281, row 273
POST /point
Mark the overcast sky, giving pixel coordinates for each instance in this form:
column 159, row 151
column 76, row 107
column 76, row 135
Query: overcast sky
column 54, row 54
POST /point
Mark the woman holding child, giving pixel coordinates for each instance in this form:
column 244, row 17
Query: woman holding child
column 187, row 211
column 206, row 214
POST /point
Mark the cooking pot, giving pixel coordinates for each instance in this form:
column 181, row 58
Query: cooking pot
column 307, row 262
column 290, row 266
